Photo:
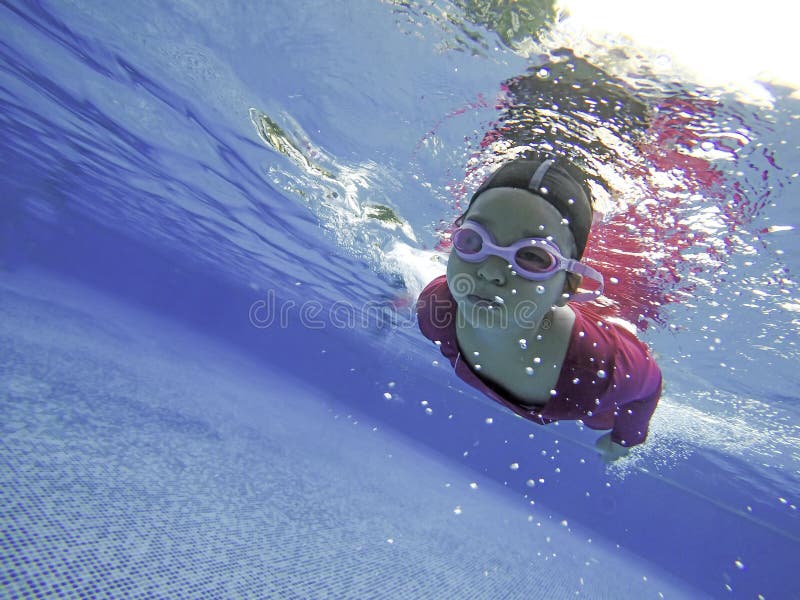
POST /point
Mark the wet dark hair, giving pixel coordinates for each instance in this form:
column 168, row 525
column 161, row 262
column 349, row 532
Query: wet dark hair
column 557, row 182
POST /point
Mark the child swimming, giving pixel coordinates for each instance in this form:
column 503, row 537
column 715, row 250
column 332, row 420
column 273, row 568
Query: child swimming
column 508, row 314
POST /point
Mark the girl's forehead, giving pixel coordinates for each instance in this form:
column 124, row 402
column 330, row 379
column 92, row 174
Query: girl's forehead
column 511, row 213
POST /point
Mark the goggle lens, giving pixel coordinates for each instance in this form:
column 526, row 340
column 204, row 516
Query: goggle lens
column 467, row 241
column 535, row 260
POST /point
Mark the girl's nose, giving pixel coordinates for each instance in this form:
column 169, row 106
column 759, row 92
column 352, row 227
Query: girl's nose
column 494, row 269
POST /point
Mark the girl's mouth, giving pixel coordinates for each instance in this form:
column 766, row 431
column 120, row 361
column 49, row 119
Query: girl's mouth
column 483, row 302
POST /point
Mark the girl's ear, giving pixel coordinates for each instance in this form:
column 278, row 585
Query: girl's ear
column 570, row 287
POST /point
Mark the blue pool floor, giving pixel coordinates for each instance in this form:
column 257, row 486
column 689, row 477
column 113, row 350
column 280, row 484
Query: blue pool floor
column 141, row 459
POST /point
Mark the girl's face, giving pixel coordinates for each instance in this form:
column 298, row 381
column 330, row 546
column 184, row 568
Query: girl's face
column 489, row 293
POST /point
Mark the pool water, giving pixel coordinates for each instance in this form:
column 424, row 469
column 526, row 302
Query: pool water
column 214, row 222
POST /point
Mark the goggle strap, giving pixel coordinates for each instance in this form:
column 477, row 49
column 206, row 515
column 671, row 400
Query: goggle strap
column 535, row 183
column 587, row 271
column 584, row 297
column 583, row 269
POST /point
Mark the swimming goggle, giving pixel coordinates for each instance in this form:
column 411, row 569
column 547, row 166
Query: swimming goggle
column 536, row 259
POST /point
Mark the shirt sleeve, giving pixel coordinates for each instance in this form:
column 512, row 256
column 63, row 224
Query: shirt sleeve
column 638, row 383
column 632, row 421
column 435, row 310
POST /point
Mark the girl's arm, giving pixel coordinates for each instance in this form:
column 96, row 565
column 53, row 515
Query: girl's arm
column 609, row 449
column 632, row 418
column 630, row 427
column 636, row 390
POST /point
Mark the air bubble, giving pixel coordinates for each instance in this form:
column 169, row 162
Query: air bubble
column 540, row 289
column 529, row 370
column 537, row 360
column 513, row 466
column 523, row 343
column 601, row 374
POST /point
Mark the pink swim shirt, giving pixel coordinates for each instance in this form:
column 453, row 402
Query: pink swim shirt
column 608, row 379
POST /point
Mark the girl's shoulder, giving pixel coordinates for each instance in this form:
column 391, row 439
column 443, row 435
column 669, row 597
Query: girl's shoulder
column 598, row 339
column 436, row 311
column 590, row 318
column 436, row 287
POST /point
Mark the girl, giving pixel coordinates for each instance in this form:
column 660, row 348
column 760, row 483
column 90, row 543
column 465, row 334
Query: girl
column 508, row 315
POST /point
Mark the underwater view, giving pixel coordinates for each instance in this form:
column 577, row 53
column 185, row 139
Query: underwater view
column 221, row 224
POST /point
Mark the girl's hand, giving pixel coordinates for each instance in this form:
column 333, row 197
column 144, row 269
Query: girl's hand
column 610, row 450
